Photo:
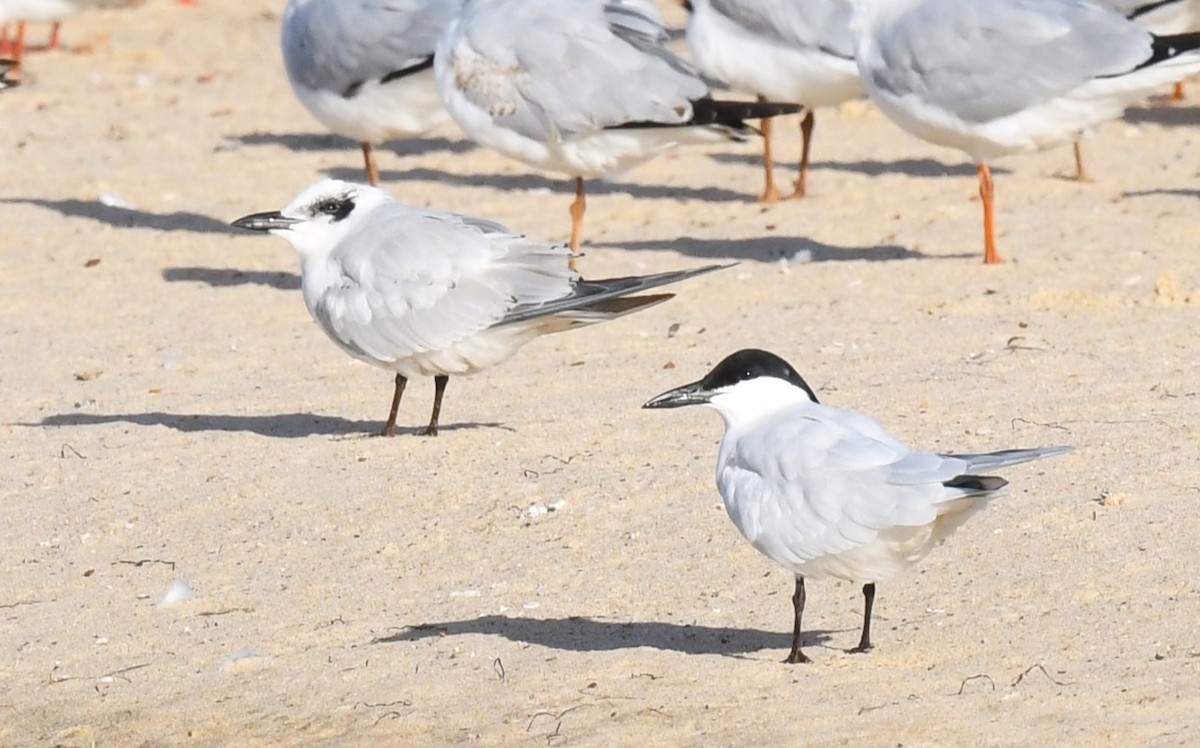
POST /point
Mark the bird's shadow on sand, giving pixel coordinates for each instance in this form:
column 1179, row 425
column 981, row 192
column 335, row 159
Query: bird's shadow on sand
column 130, row 218
column 307, row 141
column 227, row 277
column 1166, row 115
column 926, row 168
column 284, row 425
column 562, row 185
column 1176, row 192
column 578, row 634
column 774, row 248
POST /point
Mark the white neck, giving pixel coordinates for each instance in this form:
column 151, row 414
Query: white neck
column 746, row 402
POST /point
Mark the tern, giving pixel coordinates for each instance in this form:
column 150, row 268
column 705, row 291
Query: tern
column 827, row 492
column 997, row 77
column 364, row 68
column 581, row 87
column 800, row 51
column 421, row 293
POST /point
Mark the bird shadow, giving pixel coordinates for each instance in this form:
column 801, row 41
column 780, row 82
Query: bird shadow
column 914, row 167
column 285, row 425
column 1177, row 192
column 1164, row 116
column 774, row 248
column 130, row 218
column 304, row 141
column 579, row 634
column 530, row 182
column 226, row 277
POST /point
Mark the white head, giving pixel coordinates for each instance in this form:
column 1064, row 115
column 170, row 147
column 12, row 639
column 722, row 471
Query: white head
column 320, row 216
column 743, row 387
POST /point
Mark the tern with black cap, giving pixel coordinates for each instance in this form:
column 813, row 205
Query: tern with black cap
column 828, row 492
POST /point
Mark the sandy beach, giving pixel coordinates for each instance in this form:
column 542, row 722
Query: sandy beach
column 557, row 568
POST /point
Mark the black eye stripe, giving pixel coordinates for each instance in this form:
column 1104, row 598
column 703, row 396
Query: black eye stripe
column 337, row 208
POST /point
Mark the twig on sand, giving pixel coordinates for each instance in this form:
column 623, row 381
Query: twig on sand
column 1037, row 666
column 979, row 676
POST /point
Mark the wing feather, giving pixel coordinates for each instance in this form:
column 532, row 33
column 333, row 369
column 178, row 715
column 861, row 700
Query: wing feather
column 999, row 57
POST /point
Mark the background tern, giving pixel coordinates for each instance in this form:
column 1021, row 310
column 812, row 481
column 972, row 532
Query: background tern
column 580, row 87
column 828, row 492
column 423, row 293
column 781, row 50
column 998, row 77
column 364, row 68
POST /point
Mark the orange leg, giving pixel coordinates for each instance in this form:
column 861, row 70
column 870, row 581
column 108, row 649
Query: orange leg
column 6, row 45
column 1179, row 93
column 370, row 165
column 18, row 50
column 55, row 35
column 770, row 191
column 577, row 210
column 1081, row 174
column 987, row 193
column 806, row 131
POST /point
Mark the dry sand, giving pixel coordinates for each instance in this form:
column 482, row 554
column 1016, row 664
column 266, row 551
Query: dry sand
column 171, row 412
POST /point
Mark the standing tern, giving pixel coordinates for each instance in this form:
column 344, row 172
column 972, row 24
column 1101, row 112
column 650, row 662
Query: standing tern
column 580, row 87
column 997, row 77
column 828, row 492
column 423, row 293
column 50, row 11
column 782, row 50
column 364, row 68
column 1161, row 17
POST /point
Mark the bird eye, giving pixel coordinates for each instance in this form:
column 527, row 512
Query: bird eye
column 330, row 207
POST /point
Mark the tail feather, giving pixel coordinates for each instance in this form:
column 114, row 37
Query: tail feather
column 733, row 113
column 595, row 295
column 978, row 463
column 727, row 115
column 1165, row 48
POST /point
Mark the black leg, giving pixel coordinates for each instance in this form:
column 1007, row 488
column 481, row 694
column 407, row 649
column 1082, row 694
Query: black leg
column 864, row 644
column 389, row 428
column 797, row 603
column 439, row 389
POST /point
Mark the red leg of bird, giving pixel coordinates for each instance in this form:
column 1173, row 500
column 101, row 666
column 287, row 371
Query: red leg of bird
column 389, row 429
column 55, row 35
column 18, row 51
column 6, row 45
column 439, row 389
column 770, row 191
column 370, row 165
column 1081, row 174
column 578, row 208
column 806, row 131
column 1179, row 93
column 987, row 194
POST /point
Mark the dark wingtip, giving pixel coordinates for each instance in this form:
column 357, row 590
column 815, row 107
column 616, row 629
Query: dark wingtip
column 981, row 483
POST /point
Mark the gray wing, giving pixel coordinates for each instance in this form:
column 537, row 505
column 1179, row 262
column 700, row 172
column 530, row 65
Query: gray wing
column 816, row 24
column 838, row 480
column 414, row 281
column 982, row 463
column 339, row 44
column 549, row 69
column 988, row 59
column 592, row 295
